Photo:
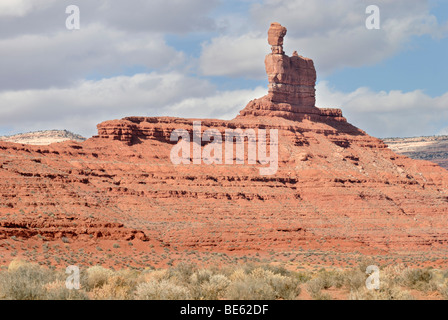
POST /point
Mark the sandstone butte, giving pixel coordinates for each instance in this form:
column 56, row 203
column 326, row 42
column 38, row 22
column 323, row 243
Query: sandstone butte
column 117, row 197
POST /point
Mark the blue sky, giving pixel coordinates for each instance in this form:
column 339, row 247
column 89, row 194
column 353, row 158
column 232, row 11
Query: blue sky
column 421, row 66
column 205, row 58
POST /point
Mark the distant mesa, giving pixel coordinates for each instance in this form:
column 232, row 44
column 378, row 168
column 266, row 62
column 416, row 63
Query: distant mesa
column 45, row 137
column 433, row 148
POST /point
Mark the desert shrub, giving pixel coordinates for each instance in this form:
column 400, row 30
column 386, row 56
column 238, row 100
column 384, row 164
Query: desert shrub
column 95, row 277
column 200, row 276
column 114, row 289
column 314, row 288
column 443, row 290
column 390, row 287
column 384, row 293
column 331, row 279
column 276, row 269
column 285, row 288
column 246, row 286
column 261, row 284
column 25, row 282
column 155, row 275
column 214, row 288
column 129, row 278
column 355, row 279
column 57, row 290
column 302, row 276
column 15, row 264
column 250, row 288
column 182, row 272
column 161, row 290
column 237, row 274
column 439, row 282
column 364, row 263
column 120, row 285
column 419, row 279
column 198, row 284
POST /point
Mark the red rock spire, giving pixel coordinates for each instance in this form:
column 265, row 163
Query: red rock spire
column 291, row 79
column 275, row 37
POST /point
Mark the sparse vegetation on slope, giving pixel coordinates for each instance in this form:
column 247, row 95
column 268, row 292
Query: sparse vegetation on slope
column 27, row 281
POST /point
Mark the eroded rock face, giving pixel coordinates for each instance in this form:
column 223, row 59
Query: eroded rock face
column 337, row 189
column 291, row 80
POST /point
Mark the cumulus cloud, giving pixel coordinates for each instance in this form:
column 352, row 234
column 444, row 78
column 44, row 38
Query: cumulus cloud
column 20, row 8
column 115, row 36
column 167, row 16
column 218, row 57
column 221, row 104
column 80, row 107
column 388, row 114
column 175, row 16
column 42, row 60
column 333, row 33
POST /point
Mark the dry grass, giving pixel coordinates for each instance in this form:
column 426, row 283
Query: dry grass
column 27, row 281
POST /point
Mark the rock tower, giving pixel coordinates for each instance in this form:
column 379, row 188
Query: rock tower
column 292, row 81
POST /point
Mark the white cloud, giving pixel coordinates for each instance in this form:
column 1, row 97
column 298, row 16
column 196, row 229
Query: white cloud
column 80, row 107
column 39, row 61
column 174, row 16
column 168, row 16
column 443, row 132
column 222, row 104
column 218, row 57
column 388, row 114
column 332, row 33
column 16, row 8
column 37, row 51
column 20, row 8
